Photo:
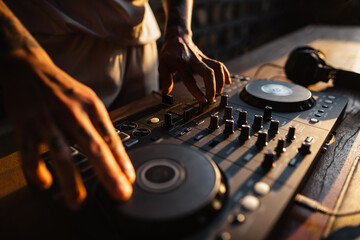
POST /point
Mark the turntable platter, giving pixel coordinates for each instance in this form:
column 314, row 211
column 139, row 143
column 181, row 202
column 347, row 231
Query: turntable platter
column 175, row 185
column 281, row 96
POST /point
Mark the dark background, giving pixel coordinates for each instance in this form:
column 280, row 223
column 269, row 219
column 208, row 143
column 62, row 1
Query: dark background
column 224, row 29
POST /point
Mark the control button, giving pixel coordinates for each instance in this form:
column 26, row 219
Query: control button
column 228, row 113
column 128, row 126
column 291, row 133
column 262, row 188
column 189, row 114
column 305, row 148
column 321, row 111
column 236, row 218
column 187, row 129
column 229, row 127
column 250, row 202
column 224, row 236
column 123, row 136
column 328, row 101
column 331, row 97
column 168, row 99
column 224, row 100
column 154, row 120
column 280, row 148
column 245, row 133
column 248, row 157
column 274, row 127
column 242, row 118
column 214, row 122
column 314, row 120
column 258, row 123
column 267, row 113
column 293, row 162
column 131, row 142
column 325, row 106
column 262, row 139
column 214, row 143
column 199, row 137
column 168, row 122
column 141, row 132
column 268, row 161
column 308, row 139
column 318, row 114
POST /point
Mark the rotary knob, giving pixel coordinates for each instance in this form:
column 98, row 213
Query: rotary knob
column 280, row 148
column 267, row 113
column 291, row 133
column 214, row 122
column 258, row 123
column 268, row 161
column 242, row 118
column 305, row 148
column 245, row 133
column 224, row 100
column 274, row 127
column 261, row 140
column 168, row 122
column 228, row 113
column 229, row 127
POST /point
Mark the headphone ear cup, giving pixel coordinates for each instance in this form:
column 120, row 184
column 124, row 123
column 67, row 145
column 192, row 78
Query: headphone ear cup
column 302, row 65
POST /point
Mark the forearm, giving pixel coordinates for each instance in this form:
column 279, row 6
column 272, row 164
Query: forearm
column 13, row 35
column 178, row 16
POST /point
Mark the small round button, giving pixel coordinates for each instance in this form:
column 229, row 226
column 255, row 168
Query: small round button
column 314, row 120
column 224, row 236
column 262, row 188
column 328, row 101
column 154, row 120
column 331, row 97
column 250, row 202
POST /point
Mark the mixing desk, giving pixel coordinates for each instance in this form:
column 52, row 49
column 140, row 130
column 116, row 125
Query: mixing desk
column 227, row 170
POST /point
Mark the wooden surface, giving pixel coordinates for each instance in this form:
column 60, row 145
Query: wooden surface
column 26, row 214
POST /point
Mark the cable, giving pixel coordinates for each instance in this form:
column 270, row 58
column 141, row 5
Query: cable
column 318, row 207
column 266, row 65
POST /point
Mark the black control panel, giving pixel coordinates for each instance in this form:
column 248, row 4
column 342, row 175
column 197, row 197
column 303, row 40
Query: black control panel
column 228, row 170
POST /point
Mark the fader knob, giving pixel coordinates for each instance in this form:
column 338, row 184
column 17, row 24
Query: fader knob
column 267, row 113
column 305, row 148
column 268, row 161
column 261, row 140
column 224, row 100
column 229, row 127
column 280, row 148
column 168, row 120
column 274, row 127
column 291, row 133
column 214, row 122
column 242, row 118
column 228, row 112
column 258, row 123
column 245, row 133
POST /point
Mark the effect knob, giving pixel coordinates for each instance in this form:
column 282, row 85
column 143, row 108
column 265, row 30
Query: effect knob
column 280, row 148
column 291, row 133
column 268, row 161
column 229, row 127
column 274, row 127
column 224, row 100
column 261, row 140
column 305, row 148
column 242, row 118
column 258, row 123
column 267, row 113
column 228, row 113
column 245, row 133
column 214, row 122
column 168, row 122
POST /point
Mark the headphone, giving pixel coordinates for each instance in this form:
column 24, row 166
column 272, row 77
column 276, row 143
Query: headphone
column 306, row 65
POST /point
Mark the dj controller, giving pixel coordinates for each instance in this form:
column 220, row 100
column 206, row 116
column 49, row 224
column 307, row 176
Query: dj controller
column 227, row 170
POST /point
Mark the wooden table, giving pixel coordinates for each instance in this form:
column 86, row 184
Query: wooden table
column 333, row 182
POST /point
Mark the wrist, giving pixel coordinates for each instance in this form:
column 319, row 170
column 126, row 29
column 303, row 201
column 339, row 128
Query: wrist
column 173, row 31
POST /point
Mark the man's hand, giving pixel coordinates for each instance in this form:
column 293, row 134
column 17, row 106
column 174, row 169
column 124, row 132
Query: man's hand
column 48, row 106
column 180, row 55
